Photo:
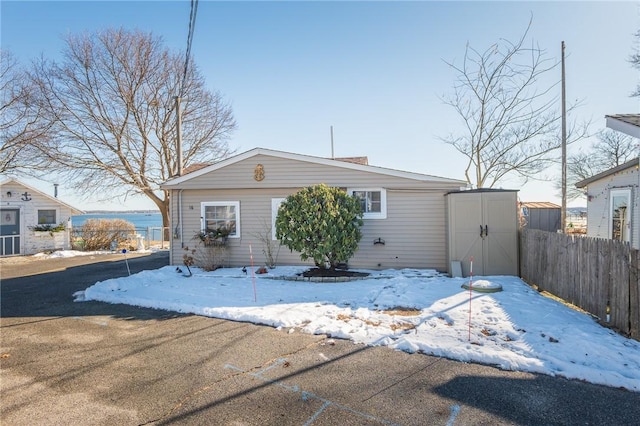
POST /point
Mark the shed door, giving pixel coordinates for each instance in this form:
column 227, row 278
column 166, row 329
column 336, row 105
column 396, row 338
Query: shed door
column 501, row 239
column 483, row 225
column 9, row 231
column 466, row 217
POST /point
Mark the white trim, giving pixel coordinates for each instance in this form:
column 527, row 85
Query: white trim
column 383, row 202
column 175, row 182
column 628, row 213
column 57, row 214
column 275, row 205
column 235, row 204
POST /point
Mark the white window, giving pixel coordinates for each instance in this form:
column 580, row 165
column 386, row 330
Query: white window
column 620, row 214
column 372, row 200
column 47, row 217
column 221, row 214
column 275, row 205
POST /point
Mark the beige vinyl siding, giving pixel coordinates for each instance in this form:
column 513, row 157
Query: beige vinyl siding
column 255, row 218
column 414, row 231
column 282, row 173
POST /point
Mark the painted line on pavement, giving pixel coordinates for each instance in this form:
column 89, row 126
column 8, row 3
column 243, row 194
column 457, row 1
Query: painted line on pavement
column 306, row 396
column 455, row 410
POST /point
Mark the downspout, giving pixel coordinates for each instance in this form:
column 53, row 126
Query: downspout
column 177, row 229
column 180, row 218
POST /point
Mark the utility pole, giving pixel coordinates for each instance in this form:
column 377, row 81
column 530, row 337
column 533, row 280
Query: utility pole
column 563, row 210
column 179, row 136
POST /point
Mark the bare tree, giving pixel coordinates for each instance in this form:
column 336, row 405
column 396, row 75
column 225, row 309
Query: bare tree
column 111, row 100
column 634, row 59
column 511, row 118
column 22, row 130
column 610, row 150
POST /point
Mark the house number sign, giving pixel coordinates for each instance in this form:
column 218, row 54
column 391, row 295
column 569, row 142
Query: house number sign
column 258, row 172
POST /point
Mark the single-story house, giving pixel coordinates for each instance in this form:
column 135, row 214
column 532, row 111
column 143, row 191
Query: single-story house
column 32, row 221
column 404, row 217
column 613, row 196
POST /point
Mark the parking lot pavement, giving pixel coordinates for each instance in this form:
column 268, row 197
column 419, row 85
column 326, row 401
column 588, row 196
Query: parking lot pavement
column 91, row 363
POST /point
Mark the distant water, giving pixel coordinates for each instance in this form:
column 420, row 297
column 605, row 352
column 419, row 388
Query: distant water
column 141, row 221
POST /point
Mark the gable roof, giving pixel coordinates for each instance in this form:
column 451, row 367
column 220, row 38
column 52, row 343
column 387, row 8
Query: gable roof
column 32, row 189
column 629, row 164
column 628, row 124
column 309, row 159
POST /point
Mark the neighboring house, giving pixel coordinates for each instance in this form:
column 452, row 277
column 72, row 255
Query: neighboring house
column 23, row 208
column 613, row 196
column 541, row 215
column 404, row 218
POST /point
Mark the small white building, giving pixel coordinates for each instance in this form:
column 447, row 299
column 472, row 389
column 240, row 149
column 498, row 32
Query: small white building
column 613, row 196
column 32, row 221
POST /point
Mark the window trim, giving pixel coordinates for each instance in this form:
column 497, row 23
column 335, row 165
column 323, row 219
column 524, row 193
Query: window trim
column 616, row 193
column 236, row 204
column 275, row 205
column 383, row 202
column 55, row 218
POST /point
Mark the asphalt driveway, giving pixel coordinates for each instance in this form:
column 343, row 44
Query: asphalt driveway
column 92, row 363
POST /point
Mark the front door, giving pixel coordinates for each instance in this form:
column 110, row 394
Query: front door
column 9, row 231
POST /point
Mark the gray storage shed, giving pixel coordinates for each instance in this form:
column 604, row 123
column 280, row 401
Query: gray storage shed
column 482, row 225
column 541, row 215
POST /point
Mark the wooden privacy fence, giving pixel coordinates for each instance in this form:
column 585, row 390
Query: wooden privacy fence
column 591, row 273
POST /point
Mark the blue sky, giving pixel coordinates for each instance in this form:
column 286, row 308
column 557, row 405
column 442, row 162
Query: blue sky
column 375, row 71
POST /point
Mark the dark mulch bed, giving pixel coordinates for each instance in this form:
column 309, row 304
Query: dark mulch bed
column 317, row 272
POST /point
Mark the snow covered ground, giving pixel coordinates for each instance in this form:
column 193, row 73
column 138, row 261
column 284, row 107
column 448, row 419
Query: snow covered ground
column 409, row 310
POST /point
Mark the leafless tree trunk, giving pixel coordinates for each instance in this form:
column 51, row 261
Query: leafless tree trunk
column 511, row 116
column 22, row 131
column 111, row 100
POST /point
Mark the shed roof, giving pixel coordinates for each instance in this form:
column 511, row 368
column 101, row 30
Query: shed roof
column 479, row 190
column 539, row 205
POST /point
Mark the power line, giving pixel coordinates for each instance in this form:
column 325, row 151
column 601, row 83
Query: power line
column 192, row 25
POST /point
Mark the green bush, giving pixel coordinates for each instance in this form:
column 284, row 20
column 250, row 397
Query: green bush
column 322, row 223
column 99, row 234
column 48, row 228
